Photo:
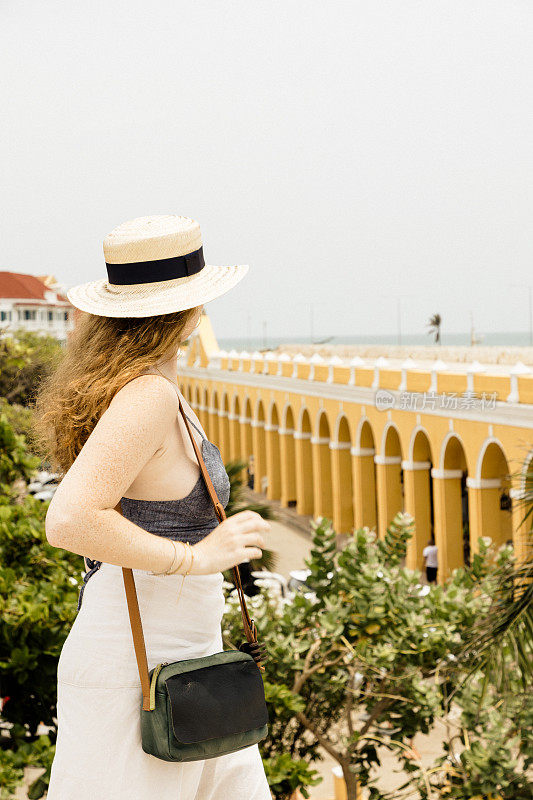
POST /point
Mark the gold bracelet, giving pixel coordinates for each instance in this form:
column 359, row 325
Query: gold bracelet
column 171, row 568
column 171, row 563
column 175, row 543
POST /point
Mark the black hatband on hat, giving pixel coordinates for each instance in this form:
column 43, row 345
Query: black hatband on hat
column 163, row 269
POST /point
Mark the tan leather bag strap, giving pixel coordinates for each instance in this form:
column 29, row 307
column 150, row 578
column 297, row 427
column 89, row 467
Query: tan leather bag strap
column 250, row 629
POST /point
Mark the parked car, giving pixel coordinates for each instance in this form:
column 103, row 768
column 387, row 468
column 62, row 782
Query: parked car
column 274, row 582
column 44, row 485
column 297, row 580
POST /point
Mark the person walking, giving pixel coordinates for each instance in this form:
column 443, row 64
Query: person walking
column 132, row 496
column 430, row 554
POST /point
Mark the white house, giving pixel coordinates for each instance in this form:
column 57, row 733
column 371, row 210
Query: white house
column 34, row 304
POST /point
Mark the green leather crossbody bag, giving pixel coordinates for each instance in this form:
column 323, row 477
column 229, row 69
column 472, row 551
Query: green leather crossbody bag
column 199, row 708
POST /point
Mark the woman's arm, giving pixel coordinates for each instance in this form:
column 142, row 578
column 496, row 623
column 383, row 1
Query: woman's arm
column 81, row 516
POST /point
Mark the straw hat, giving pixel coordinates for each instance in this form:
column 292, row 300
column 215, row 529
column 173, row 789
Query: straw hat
column 155, row 265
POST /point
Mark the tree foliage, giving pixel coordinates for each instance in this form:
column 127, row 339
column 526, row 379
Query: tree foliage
column 38, row 595
column 25, row 357
column 16, row 464
column 368, row 658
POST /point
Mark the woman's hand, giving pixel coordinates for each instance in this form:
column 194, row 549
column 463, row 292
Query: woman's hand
column 238, row 538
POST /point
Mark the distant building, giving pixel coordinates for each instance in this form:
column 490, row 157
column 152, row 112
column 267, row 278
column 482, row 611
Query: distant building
column 356, row 440
column 34, row 304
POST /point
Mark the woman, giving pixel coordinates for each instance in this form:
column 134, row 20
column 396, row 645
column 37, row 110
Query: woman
column 108, row 417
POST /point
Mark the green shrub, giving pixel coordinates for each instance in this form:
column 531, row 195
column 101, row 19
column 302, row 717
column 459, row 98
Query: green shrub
column 367, row 659
column 38, row 598
column 16, row 464
column 25, row 357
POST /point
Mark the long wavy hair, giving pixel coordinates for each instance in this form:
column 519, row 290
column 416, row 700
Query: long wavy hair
column 100, row 356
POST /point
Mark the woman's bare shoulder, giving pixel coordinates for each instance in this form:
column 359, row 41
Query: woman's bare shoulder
column 145, row 402
column 128, row 433
column 144, row 390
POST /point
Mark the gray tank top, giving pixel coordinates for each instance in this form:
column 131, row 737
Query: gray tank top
column 187, row 519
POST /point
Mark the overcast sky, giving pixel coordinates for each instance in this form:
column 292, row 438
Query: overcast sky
column 350, row 152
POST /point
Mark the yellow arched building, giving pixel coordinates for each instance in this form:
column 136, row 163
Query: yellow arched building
column 358, row 442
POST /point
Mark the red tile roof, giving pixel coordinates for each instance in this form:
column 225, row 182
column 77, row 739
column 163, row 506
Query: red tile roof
column 18, row 286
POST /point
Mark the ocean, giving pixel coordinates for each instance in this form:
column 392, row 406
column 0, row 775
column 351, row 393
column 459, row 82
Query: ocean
column 499, row 339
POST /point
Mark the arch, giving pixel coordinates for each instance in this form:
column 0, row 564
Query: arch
column 224, row 428
column 205, row 416
column 365, row 434
column 343, row 433
column 390, row 479
column 304, row 411
column 215, row 426
column 452, row 452
column 248, row 413
column 390, row 440
column 484, row 465
column 235, row 404
column 286, row 412
column 273, row 413
column 323, row 494
column 235, row 430
column 304, row 464
column 452, row 506
column 341, row 420
column 364, row 430
column 287, row 457
column 365, row 477
column 418, row 489
column 259, row 448
column 247, row 440
column 343, row 483
column 321, row 419
column 273, row 453
column 490, row 495
column 419, row 440
column 259, row 404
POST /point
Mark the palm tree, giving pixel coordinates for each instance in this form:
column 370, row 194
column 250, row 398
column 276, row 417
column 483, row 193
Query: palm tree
column 434, row 326
column 508, row 624
column 238, row 502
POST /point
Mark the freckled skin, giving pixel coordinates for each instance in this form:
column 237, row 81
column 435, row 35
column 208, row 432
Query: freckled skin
column 140, row 448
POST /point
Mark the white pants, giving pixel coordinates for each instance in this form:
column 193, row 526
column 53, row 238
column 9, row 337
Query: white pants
column 98, row 752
